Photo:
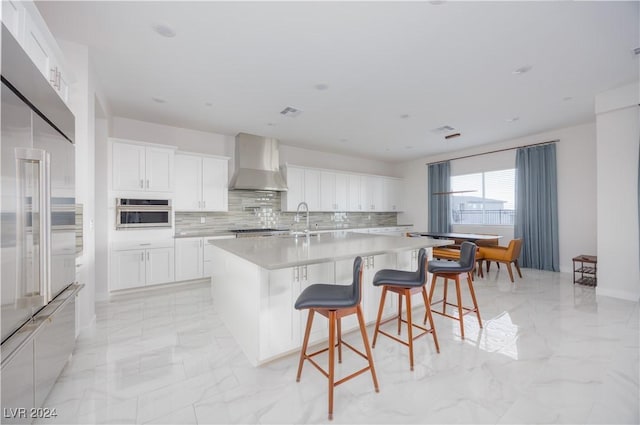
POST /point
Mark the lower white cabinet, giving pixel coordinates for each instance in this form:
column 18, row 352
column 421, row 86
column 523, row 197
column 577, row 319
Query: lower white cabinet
column 189, row 258
column 285, row 325
column 141, row 266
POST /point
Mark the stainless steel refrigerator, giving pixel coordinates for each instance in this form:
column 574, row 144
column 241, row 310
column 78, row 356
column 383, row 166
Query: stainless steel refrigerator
column 37, row 226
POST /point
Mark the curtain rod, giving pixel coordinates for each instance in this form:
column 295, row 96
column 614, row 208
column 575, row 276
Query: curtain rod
column 496, row 151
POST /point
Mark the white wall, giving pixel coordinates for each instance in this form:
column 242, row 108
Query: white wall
column 618, row 141
column 310, row 158
column 83, row 93
column 219, row 144
column 576, row 156
column 101, row 190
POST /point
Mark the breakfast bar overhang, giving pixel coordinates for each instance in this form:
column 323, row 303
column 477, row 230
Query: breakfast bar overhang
column 256, row 281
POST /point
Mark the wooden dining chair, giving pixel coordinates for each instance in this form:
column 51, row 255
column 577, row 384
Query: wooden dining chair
column 502, row 254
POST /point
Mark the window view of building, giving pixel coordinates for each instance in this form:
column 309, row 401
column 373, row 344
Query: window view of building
column 484, row 198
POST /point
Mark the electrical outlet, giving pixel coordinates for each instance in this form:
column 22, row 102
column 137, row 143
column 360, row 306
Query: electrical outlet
column 203, row 220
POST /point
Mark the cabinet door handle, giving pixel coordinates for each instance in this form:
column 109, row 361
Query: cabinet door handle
column 147, row 255
column 142, row 257
column 296, row 274
column 373, row 261
column 304, row 271
column 141, row 184
column 204, row 204
column 147, row 183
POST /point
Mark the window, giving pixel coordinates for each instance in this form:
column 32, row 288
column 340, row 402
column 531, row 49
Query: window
column 484, row 198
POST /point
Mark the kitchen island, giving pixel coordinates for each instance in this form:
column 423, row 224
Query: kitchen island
column 256, row 281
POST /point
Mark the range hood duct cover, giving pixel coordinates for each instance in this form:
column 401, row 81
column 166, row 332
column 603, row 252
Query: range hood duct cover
column 257, row 162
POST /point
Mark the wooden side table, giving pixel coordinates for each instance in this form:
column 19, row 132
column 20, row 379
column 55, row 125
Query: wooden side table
column 585, row 269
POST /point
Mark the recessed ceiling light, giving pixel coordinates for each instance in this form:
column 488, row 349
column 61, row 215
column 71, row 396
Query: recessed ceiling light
column 321, row 86
column 436, row 2
column 514, row 119
column 522, row 70
column 208, row 104
column 158, row 100
column 567, row 98
column 343, row 140
column 387, row 150
column 270, row 124
column 164, row 30
column 404, row 116
column 408, row 147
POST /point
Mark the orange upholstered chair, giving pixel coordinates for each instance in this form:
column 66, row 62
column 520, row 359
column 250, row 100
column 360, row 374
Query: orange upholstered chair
column 501, row 254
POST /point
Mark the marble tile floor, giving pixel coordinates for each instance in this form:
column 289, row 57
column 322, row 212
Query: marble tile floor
column 549, row 352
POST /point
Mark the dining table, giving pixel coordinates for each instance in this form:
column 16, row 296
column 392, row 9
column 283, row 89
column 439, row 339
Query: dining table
column 471, row 237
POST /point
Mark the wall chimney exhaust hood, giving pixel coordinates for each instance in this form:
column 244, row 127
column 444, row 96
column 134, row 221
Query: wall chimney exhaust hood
column 257, row 162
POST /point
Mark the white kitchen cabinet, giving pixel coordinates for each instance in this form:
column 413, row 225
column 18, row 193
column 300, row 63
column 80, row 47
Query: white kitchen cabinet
column 159, row 265
column 211, row 262
column 215, row 183
column 354, row 193
column 128, row 269
column 392, row 194
column 142, row 168
column 333, row 191
column 284, row 326
column 303, row 186
column 24, row 22
column 376, row 193
column 13, row 14
column 138, row 265
column 370, row 294
column 201, row 183
column 189, row 258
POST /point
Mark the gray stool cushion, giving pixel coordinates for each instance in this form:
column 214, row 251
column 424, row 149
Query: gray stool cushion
column 466, row 263
column 322, row 295
column 401, row 278
column 332, row 297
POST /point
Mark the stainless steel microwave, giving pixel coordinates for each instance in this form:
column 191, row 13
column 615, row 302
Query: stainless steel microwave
column 142, row 213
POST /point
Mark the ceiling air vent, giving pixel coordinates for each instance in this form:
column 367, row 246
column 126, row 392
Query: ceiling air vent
column 291, row 112
column 443, row 129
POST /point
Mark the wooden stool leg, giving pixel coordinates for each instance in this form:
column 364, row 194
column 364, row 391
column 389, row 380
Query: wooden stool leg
column 339, row 340
column 332, row 337
column 303, row 351
column 375, row 332
column 399, row 314
column 473, row 298
column 407, row 294
column 365, row 340
column 460, row 315
column 444, row 303
column 427, row 307
column 431, row 291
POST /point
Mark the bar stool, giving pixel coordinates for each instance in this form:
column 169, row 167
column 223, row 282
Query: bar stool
column 453, row 270
column 335, row 302
column 405, row 284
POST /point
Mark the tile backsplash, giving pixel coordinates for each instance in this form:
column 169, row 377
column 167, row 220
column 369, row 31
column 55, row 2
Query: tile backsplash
column 250, row 209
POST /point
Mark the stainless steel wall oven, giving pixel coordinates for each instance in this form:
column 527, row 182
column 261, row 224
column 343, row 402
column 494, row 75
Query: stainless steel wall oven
column 143, row 213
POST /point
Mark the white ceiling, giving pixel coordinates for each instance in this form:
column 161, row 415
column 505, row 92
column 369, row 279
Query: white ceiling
column 440, row 64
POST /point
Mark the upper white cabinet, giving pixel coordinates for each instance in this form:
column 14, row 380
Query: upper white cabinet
column 393, row 189
column 333, row 191
column 303, row 186
column 140, row 167
column 201, row 183
column 24, row 22
column 329, row 190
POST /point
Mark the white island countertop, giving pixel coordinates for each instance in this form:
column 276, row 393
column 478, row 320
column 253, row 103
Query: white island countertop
column 278, row 252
